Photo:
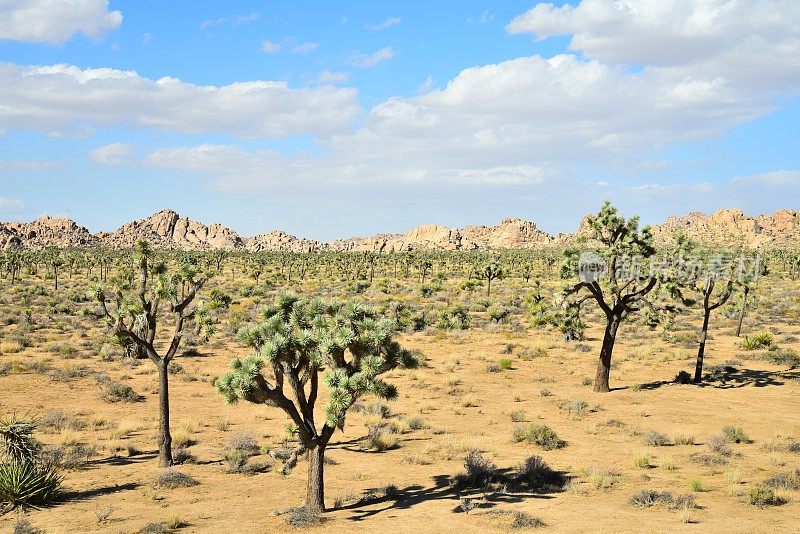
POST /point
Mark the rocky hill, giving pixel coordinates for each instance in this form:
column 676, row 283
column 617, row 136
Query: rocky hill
column 168, row 229
column 510, row 233
column 46, row 232
column 733, row 227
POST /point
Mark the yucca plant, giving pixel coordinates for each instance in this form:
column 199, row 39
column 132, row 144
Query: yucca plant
column 17, row 441
column 24, row 479
column 27, row 484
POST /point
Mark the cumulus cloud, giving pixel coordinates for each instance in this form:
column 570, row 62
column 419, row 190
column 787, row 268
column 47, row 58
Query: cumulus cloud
column 496, row 123
column 68, row 99
column 113, row 154
column 362, row 60
column 708, row 33
column 388, row 23
column 55, row 21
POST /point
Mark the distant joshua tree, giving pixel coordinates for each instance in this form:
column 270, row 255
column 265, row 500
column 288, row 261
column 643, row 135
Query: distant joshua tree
column 489, row 271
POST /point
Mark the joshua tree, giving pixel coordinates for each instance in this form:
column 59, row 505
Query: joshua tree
column 746, row 283
column 55, row 261
column 702, row 285
column 296, row 342
column 136, row 318
column 424, row 265
column 489, row 271
column 623, row 289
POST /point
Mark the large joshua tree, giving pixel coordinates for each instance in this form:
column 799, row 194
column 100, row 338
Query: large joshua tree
column 620, row 287
column 298, row 340
column 136, row 317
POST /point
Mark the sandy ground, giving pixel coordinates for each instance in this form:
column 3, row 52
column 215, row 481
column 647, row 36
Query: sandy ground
column 463, row 406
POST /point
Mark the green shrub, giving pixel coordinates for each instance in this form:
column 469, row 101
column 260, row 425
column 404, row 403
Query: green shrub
column 786, row 481
column 760, row 340
column 787, row 357
column 541, row 435
column 647, row 498
column 25, row 483
column 537, row 476
column 171, row 479
column 304, row 517
column 654, row 438
column 762, row 497
column 735, row 434
column 497, row 313
column 113, row 391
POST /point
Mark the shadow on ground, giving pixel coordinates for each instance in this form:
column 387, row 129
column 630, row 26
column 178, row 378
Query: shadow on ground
column 502, row 488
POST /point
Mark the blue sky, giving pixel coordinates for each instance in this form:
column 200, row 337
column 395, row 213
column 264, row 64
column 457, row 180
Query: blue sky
column 331, row 119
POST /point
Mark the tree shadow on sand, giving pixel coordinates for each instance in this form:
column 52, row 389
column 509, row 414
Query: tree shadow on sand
column 731, row 377
column 474, row 490
column 84, row 495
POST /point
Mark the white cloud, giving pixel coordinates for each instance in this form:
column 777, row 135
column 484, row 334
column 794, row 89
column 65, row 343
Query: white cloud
column 6, row 165
column 147, row 38
column 238, row 20
column 426, row 86
column 65, row 99
column 304, row 48
column 725, row 35
column 327, row 76
column 55, row 21
column 782, row 179
column 362, row 60
column 237, row 168
column 235, row 20
column 388, row 23
column 486, row 16
column 270, row 47
column 10, row 203
column 113, row 154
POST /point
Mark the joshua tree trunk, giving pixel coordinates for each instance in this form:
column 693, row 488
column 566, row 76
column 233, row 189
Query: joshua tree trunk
column 488, row 287
column 315, row 490
column 604, row 362
column 698, row 368
column 745, row 292
column 164, row 436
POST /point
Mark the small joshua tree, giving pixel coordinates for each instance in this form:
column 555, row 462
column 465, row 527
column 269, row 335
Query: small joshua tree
column 489, row 271
column 622, row 291
column 299, row 339
column 136, row 317
column 701, row 286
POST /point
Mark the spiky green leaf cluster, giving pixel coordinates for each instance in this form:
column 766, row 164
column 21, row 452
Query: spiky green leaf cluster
column 28, row 483
column 17, row 442
column 351, row 342
column 241, row 382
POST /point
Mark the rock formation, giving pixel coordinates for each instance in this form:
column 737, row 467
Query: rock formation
column 167, row 229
